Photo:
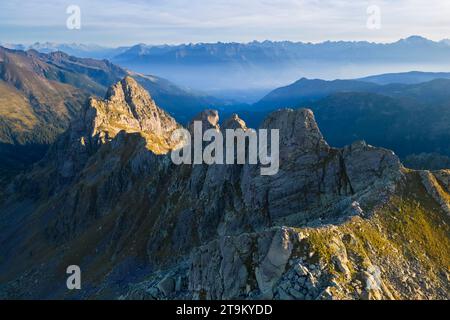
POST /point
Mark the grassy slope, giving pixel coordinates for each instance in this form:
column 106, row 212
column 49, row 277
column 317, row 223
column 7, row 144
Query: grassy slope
column 407, row 238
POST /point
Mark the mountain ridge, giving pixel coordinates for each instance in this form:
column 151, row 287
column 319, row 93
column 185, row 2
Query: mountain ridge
column 270, row 64
column 141, row 227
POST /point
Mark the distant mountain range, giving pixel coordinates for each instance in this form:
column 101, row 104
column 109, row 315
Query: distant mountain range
column 216, row 67
column 407, row 118
column 276, row 52
column 270, row 64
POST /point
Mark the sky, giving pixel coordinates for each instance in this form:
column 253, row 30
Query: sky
column 123, row 23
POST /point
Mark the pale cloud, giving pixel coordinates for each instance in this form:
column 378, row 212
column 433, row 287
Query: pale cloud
column 120, row 22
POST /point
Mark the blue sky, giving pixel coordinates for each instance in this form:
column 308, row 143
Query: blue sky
column 119, row 22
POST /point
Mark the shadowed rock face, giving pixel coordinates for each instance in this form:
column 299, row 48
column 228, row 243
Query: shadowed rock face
column 108, row 198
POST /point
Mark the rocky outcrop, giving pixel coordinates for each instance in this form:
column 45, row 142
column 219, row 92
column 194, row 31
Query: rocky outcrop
column 315, row 176
column 272, row 267
column 437, row 186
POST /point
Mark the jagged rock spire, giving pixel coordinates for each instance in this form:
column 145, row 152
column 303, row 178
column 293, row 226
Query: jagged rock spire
column 298, row 130
column 209, row 119
column 128, row 107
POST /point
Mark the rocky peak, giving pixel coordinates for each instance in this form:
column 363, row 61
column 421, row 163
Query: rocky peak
column 126, row 90
column 58, row 56
column 128, row 107
column 298, row 130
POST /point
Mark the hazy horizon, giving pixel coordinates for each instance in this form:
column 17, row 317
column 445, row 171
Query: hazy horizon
column 123, row 23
